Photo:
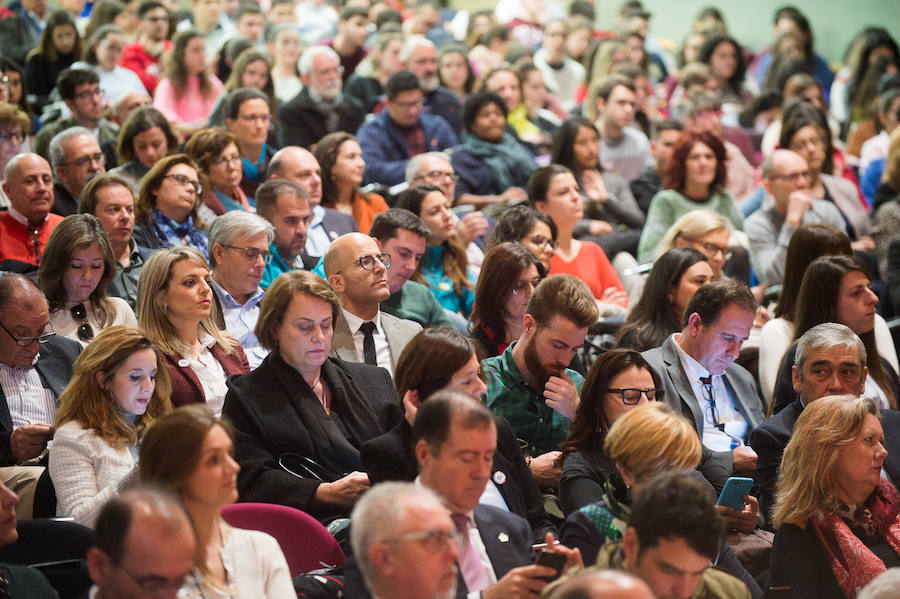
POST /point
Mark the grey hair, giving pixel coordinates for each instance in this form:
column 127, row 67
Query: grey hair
column 121, row 101
column 57, row 154
column 228, row 226
column 883, row 586
column 827, row 335
column 14, row 162
column 412, row 43
column 769, row 162
column 376, row 515
column 306, row 60
column 412, row 167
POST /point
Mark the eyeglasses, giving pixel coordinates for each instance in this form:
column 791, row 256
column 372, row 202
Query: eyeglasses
column 794, row 177
column 79, row 313
column 520, row 286
column 631, row 397
column 89, row 94
column 437, row 175
column 368, row 261
column 99, row 158
column 154, row 584
column 434, row 540
column 253, row 253
column 338, row 70
column 26, row 341
column 541, row 242
column 408, row 105
column 185, row 180
column 710, row 249
column 223, row 160
column 252, row 118
column 8, row 136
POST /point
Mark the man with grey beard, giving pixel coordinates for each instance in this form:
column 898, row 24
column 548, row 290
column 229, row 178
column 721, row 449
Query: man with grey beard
column 320, row 108
column 420, row 57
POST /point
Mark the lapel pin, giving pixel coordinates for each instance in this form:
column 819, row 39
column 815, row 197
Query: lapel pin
column 499, row 477
column 503, row 537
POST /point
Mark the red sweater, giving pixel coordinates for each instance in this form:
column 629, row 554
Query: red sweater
column 19, row 242
column 591, row 266
column 148, row 68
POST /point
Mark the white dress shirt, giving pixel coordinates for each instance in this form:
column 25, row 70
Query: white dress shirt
column 382, row 349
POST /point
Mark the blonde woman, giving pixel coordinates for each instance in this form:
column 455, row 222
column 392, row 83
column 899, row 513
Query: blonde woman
column 176, row 308
column 118, row 389
column 705, row 231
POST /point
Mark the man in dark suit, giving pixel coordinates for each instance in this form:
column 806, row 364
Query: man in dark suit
column 701, row 380
column 35, row 367
column 298, row 165
column 830, row 360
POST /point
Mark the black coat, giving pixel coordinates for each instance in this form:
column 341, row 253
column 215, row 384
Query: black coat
column 275, row 412
column 302, row 122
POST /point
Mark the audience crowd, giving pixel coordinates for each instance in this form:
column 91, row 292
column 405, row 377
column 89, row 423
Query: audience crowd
column 507, row 304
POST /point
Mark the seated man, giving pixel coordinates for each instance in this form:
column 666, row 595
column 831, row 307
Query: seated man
column 830, row 360
column 76, row 159
column 26, row 226
column 285, row 205
column 110, row 199
column 786, row 179
column 320, row 108
column 350, row 40
column 702, row 382
column 624, row 150
column 673, row 535
column 298, row 165
column 144, row 544
column 594, row 583
column 530, row 383
column 401, row 131
column 665, row 136
column 238, row 253
column 18, row 581
column 419, row 56
column 35, row 367
column 401, row 234
column 144, row 55
column 357, row 271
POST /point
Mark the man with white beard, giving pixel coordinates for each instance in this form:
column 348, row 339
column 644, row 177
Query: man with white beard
column 419, row 55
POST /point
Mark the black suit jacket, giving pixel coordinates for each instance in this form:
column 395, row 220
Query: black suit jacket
column 301, row 121
column 274, row 412
column 55, row 362
column 770, row 438
column 506, row 538
column 391, row 456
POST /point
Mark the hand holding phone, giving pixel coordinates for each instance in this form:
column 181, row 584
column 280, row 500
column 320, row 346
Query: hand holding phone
column 736, row 487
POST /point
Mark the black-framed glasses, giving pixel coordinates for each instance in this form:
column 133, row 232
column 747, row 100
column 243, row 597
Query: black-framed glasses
column 542, row 241
column 92, row 93
column 437, row 175
column 26, row 341
column 520, row 285
column 434, row 540
column 795, row 177
column 252, row 253
column 631, row 396
column 367, row 262
column 99, row 158
column 79, row 313
column 185, row 180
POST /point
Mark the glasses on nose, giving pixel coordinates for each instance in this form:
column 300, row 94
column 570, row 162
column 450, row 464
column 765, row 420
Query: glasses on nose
column 338, row 70
column 89, row 94
column 367, row 262
column 223, row 160
column 154, row 584
column 98, row 158
column 418, row 104
column 631, row 397
column 434, row 540
column 542, row 242
column 794, row 177
column 79, row 313
column 265, row 119
column 521, row 286
column 184, row 180
column 11, row 136
column 253, row 253
column 43, row 338
column 709, row 249
column 437, row 176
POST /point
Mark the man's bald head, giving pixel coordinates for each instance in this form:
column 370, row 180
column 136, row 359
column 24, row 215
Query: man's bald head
column 20, row 290
column 344, row 249
column 299, row 166
column 28, row 182
column 602, row 584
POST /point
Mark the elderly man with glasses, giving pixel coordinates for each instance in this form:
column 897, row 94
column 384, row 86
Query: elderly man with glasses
column 35, row 366
column 357, row 270
column 76, row 158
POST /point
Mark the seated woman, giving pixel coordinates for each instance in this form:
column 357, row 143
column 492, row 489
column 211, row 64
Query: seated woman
column 644, row 442
column 438, row 359
column 533, row 132
column 659, row 312
column 533, row 229
column 102, row 54
column 144, row 139
column 619, row 380
column 251, row 70
column 76, row 268
column 553, row 190
column 838, row 289
column 509, row 274
column 300, row 406
column 695, row 179
column 704, row 231
column 455, row 70
column 836, row 517
column 612, row 217
column 284, row 45
column 216, row 153
column 248, row 115
column 189, row 453
column 368, row 80
column 445, row 267
column 176, row 311
column 166, row 210
column 342, row 164
column 118, row 389
column 490, row 162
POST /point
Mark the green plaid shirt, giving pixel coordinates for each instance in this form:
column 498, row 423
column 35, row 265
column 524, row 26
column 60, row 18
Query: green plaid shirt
column 509, row 395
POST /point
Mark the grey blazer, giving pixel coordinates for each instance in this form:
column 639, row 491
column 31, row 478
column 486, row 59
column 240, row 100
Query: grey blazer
column 398, row 331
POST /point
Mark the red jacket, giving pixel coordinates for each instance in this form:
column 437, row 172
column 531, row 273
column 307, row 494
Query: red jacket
column 186, row 388
column 17, row 241
column 148, row 68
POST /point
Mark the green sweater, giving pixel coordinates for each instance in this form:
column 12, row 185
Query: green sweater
column 416, row 302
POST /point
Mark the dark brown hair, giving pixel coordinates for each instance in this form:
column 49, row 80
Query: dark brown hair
column 676, row 175
column 430, row 359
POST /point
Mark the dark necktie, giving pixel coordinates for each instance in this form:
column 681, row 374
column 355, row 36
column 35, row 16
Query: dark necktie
column 367, row 329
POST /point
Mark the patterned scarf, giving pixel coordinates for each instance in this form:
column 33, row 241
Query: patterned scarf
column 854, row 564
column 172, row 234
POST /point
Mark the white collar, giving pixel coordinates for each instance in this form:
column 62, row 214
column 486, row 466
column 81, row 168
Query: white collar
column 354, row 321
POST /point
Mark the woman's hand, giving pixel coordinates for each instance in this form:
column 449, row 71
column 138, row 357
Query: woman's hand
column 544, row 470
column 344, row 491
column 613, row 295
column 594, row 187
column 599, row 227
column 512, row 195
column 744, row 520
column 411, row 405
column 863, row 244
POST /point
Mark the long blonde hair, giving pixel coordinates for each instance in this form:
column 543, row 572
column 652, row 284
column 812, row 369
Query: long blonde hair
column 807, row 481
column 86, row 401
column 151, row 308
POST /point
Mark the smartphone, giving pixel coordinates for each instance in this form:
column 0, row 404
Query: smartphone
column 736, row 487
column 552, row 559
